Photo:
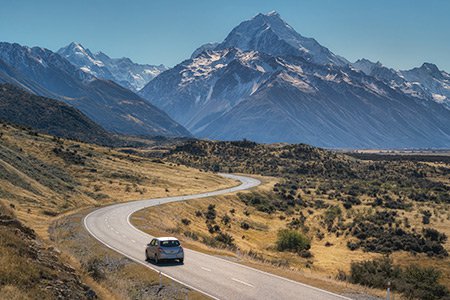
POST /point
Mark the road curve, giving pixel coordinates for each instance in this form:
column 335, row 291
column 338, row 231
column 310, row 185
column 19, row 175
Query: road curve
column 213, row 276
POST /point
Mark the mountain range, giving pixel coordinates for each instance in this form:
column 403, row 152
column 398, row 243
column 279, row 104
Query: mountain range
column 115, row 108
column 264, row 82
column 267, row 83
column 425, row 82
column 123, row 70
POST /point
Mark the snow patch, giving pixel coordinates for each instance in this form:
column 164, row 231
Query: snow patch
column 297, row 82
column 439, row 98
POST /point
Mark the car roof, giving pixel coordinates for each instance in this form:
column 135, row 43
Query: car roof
column 166, row 238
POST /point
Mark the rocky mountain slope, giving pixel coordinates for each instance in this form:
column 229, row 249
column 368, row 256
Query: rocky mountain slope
column 123, row 70
column 425, row 82
column 267, row 83
column 115, row 108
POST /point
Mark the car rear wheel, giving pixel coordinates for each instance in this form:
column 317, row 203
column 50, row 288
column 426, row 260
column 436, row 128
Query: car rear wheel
column 146, row 255
column 181, row 260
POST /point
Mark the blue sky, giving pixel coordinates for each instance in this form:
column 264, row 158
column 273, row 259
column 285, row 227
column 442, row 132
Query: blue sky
column 400, row 33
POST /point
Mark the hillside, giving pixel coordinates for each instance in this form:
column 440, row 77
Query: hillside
column 45, row 176
column 28, row 268
column 43, row 180
column 49, row 116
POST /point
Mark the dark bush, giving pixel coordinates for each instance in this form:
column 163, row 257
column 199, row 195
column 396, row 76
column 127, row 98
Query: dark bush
column 185, row 221
column 245, row 225
column 422, row 283
column 341, row 275
column 226, row 219
column 380, row 233
column 434, row 235
column 352, row 245
column 225, row 239
column 211, row 213
column 426, row 215
column 94, row 267
column 305, row 254
column 374, row 273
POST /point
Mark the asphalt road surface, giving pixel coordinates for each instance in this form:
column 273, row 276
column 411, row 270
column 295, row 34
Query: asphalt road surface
column 213, row 276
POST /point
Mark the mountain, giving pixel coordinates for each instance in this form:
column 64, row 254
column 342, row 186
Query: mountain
column 203, row 48
column 48, row 116
column 434, row 82
column 268, row 33
column 115, row 108
column 124, row 71
column 260, row 84
column 426, row 82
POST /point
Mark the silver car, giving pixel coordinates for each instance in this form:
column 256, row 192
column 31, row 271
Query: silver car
column 164, row 248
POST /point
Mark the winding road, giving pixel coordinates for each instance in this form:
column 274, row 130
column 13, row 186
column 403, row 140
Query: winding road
column 216, row 277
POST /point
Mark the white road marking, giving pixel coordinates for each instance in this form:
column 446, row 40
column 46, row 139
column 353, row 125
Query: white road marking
column 243, row 282
column 133, row 241
column 206, row 269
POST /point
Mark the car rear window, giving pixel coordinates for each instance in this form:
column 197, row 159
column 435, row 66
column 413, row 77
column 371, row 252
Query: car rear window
column 170, row 243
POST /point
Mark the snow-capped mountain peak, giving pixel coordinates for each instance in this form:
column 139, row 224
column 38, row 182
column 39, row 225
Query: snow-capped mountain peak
column 270, row 34
column 121, row 70
column 366, row 66
column 434, row 83
column 79, row 53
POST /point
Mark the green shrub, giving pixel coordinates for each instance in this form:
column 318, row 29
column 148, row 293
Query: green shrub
column 226, row 219
column 225, row 239
column 292, row 240
column 331, row 214
column 413, row 282
column 374, row 273
column 211, row 213
column 422, row 283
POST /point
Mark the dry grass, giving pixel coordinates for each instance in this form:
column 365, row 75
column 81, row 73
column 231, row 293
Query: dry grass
column 29, row 268
column 42, row 184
